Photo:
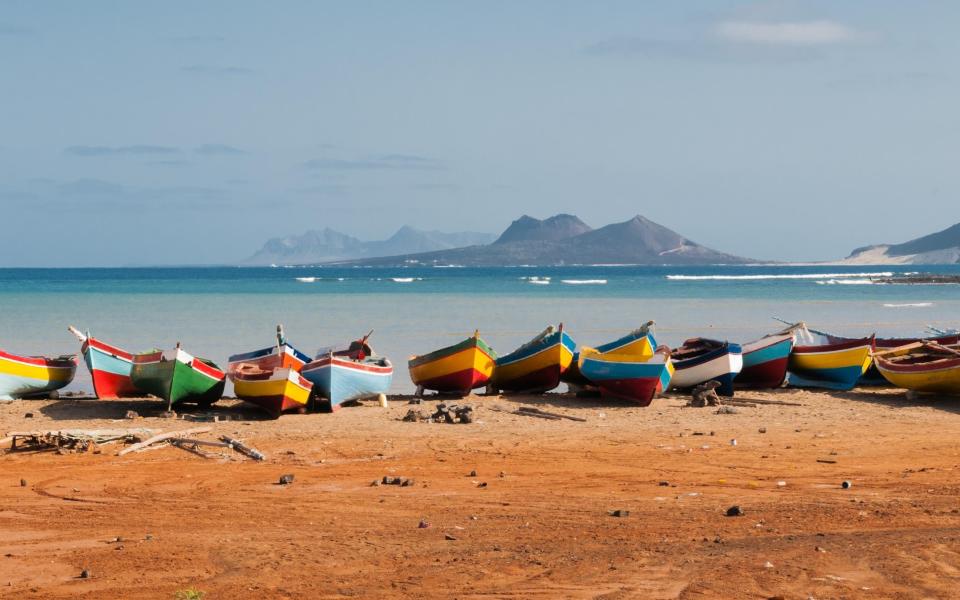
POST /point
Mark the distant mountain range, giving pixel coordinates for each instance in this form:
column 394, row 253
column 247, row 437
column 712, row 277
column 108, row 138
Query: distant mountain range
column 938, row 248
column 327, row 245
column 565, row 239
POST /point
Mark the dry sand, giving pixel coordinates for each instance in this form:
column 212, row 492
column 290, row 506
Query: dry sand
column 541, row 527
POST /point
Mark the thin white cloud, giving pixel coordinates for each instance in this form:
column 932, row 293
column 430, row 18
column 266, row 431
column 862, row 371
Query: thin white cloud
column 798, row 33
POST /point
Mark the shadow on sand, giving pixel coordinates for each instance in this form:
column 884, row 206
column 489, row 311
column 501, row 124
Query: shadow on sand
column 78, row 409
column 897, row 398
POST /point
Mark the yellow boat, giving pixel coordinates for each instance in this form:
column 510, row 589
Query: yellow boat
column 22, row 376
column 454, row 369
column 828, row 361
column 922, row 367
column 537, row 365
column 276, row 391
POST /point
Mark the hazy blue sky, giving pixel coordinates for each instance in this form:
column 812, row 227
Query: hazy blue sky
column 174, row 132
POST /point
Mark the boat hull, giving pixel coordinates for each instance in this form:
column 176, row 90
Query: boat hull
column 836, row 366
column 873, row 376
column 536, row 368
column 639, row 343
column 721, row 365
column 109, row 369
column 455, row 369
column 765, row 362
column 627, row 379
column 24, row 376
column 337, row 380
column 178, row 377
column 283, row 356
column 276, row 392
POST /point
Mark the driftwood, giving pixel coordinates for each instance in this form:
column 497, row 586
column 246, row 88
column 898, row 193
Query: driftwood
column 530, row 410
column 162, row 437
column 243, row 448
column 762, row 401
column 72, row 439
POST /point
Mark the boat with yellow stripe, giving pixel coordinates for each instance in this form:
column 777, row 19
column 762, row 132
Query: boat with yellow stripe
column 827, row 361
column 922, row 367
column 639, row 343
column 537, row 365
column 23, row 376
column 458, row 369
column 276, row 391
column 626, row 376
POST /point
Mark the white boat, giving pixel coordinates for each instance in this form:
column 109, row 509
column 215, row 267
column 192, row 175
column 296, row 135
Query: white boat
column 700, row 360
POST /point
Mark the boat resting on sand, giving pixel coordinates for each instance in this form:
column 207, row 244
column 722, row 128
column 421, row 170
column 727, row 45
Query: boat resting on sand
column 337, row 379
column 109, row 367
column 280, row 355
column 922, row 367
column 536, row 366
column 178, row 376
column 639, row 343
column 873, row 375
column 828, row 361
column 700, row 360
column 456, row 369
column 25, row 376
column 276, row 391
column 628, row 377
column 765, row 361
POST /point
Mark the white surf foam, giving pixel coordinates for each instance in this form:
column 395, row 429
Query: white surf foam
column 306, row 279
column 847, row 282
column 909, row 305
column 406, row 279
column 782, row 276
column 584, row 281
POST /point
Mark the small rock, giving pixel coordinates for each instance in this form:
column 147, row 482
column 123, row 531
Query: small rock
column 406, row 482
column 482, row 484
column 23, row 483
column 148, row 537
column 762, row 430
column 502, row 474
column 131, row 414
column 768, row 565
column 473, row 473
column 449, row 537
column 727, row 410
column 733, row 442
column 664, row 483
column 286, row 479
column 85, row 574
column 423, row 525
column 375, row 483
column 474, row 517
column 619, row 513
column 735, row 511
column 29, row 415
column 846, row 485
column 819, row 549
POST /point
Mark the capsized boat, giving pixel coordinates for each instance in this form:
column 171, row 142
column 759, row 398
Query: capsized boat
column 627, row 376
column 25, row 376
column 277, row 390
column 922, row 367
column 178, row 376
column 700, row 360
column 455, row 369
column 109, row 366
column 827, row 361
column 765, row 361
column 639, row 343
column 346, row 374
column 537, row 365
column 280, row 355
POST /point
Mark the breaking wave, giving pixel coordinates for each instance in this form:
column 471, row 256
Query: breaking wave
column 783, row 276
column 847, row 282
column 909, row 305
column 584, row 281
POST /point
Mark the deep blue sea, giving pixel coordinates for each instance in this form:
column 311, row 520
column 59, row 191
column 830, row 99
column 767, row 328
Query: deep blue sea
column 218, row 311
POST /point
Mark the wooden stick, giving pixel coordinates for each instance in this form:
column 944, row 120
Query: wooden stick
column 524, row 413
column 161, row 437
column 531, row 409
column 202, row 442
column 762, row 401
column 243, row 448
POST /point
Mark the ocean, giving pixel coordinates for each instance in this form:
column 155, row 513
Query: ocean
column 218, row 311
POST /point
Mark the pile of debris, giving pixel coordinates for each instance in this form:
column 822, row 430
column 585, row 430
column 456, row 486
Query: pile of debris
column 444, row 414
column 71, row 440
column 705, row 394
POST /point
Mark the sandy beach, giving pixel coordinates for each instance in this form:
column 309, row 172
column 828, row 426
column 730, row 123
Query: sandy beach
column 535, row 520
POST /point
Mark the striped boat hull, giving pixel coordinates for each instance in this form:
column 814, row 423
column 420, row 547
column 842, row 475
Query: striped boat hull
column 837, row 366
column 109, row 369
column 535, row 368
column 23, row 376
column 765, row 362
column 625, row 378
column 283, row 356
column 277, row 391
column 721, row 364
column 177, row 376
column 338, row 380
column 922, row 372
column 639, row 343
column 455, row 369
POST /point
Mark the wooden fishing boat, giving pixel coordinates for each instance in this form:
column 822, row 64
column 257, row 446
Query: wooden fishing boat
column 639, row 343
column 177, row 376
column 279, row 356
column 337, row 379
column 109, row 367
column 277, row 390
column 454, row 369
column 873, row 375
column 627, row 376
column 537, row 365
column 700, row 360
column 25, row 376
column 765, row 361
column 922, row 367
column 828, row 361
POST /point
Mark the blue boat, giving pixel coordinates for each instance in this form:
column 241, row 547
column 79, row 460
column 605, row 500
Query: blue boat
column 639, row 342
column 627, row 377
column 348, row 374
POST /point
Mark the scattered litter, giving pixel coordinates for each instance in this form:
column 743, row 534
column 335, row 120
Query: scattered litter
column 423, row 525
column 449, row 537
column 473, row 473
column 401, row 481
column 664, row 483
column 619, row 513
column 733, row 442
column 762, row 430
column 781, row 484
column 23, row 483
column 768, row 565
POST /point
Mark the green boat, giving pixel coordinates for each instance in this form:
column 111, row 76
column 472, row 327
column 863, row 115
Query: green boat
column 177, row 376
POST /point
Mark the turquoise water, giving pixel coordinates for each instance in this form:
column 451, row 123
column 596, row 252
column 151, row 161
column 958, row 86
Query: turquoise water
column 216, row 312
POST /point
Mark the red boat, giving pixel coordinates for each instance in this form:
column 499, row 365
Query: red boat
column 109, row 367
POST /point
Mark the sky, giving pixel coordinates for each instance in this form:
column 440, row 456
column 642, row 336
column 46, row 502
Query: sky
column 183, row 132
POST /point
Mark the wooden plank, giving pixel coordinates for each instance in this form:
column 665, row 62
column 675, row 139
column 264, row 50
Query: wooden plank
column 243, row 448
column 161, row 437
